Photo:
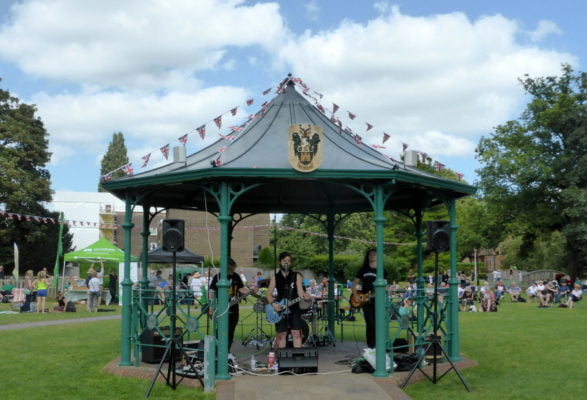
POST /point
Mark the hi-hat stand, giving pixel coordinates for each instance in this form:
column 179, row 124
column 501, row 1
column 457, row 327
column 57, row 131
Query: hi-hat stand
column 173, row 348
column 257, row 335
column 434, row 346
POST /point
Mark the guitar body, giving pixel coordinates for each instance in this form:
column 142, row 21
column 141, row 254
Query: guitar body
column 363, row 298
column 276, row 316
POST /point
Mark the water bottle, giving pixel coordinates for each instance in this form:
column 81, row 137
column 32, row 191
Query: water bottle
column 253, row 363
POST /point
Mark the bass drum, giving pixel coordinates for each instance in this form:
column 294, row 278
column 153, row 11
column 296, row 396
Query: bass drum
column 305, row 334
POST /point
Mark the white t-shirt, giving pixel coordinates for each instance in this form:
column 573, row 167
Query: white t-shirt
column 94, row 285
column 578, row 293
column 196, row 286
column 244, row 279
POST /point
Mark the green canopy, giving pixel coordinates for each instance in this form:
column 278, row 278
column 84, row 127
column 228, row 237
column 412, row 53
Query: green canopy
column 102, row 250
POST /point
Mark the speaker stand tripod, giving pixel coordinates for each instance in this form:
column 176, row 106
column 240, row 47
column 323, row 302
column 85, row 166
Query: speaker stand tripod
column 434, row 344
column 173, row 346
column 257, row 335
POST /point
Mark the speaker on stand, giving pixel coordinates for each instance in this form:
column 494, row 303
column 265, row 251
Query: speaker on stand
column 438, row 242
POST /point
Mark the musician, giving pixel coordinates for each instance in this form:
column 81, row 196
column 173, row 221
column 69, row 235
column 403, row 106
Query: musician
column 365, row 278
column 288, row 284
column 236, row 291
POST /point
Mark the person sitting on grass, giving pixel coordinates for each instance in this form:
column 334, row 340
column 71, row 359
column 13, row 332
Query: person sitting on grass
column 499, row 291
column 576, row 295
column 532, row 291
column 545, row 294
column 562, row 292
column 514, row 292
column 488, row 300
column 467, row 300
column 60, row 307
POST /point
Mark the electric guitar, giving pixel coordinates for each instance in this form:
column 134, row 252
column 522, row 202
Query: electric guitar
column 362, row 299
column 239, row 297
column 276, row 316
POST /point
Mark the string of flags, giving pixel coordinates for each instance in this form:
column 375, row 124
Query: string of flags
column 234, row 130
column 86, row 224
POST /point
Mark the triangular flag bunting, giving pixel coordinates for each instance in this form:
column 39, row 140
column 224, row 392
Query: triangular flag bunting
column 128, row 169
column 250, row 101
column 183, row 139
column 358, row 139
column 165, row 151
column 202, row 131
column 385, row 137
column 233, row 111
column 218, row 121
column 351, row 115
column 146, row 160
column 404, row 146
column 334, row 108
column 369, row 126
column 266, row 92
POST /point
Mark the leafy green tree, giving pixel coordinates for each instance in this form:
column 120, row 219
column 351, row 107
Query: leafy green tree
column 115, row 157
column 25, row 186
column 535, row 168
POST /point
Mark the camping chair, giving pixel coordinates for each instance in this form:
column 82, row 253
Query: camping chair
column 18, row 298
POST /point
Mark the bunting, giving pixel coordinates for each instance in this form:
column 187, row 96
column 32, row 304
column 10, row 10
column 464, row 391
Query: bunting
column 128, row 169
column 459, row 176
column 250, row 101
column 202, row 131
column 351, row 115
column 358, row 139
column 424, row 157
column 146, row 160
column 334, row 108
column 266, row 92
column 404, row 146
column 165, row 151
column 183, row 139
column 369, row 126
column 233, row 111
column 218, row 121
column 377, row 146
column 385, row 137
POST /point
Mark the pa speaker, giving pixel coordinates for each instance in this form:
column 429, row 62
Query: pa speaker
column 438, row 236
column 297, row 360
column 173, row 230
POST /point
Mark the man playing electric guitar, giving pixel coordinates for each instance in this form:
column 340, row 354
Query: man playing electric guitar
column 288, row 285
column 236, row 291
column 366, row 277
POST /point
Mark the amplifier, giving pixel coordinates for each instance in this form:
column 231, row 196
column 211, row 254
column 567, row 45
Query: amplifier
column 297, row 360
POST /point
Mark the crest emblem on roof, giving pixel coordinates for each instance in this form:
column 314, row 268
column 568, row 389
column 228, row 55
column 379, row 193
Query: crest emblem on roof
column 305, row 147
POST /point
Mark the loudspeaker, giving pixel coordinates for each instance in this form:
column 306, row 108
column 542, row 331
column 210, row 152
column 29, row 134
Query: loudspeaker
column 154, row 345
column 173, row 232
column 438, row 236
column 297, row 360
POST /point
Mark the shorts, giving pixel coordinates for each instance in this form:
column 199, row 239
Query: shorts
column 42, row 293
column 293, row 321
column 575, row 298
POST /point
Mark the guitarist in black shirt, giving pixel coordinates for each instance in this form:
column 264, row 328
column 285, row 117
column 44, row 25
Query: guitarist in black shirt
column 237, row 291
column 366, row 277
column 288, row 284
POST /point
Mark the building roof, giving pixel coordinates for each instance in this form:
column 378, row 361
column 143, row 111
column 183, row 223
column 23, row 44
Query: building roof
column 259, row 155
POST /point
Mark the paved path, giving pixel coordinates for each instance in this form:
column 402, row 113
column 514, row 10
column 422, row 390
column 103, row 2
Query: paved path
column 57, row 322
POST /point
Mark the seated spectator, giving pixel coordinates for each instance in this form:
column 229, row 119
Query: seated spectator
column 514, row 292
column 545, row 293
column 562, row 292
column 60, row 307
column 314, row 289
column 532, row 291
column 488, row 300
column 499, row 291
column 576, row 295
column 6, row 290
column 467, row 299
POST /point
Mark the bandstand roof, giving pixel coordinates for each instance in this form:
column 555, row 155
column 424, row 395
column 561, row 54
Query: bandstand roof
column 259, row 155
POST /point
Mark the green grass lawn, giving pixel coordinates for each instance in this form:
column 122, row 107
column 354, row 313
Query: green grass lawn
column 523, row 352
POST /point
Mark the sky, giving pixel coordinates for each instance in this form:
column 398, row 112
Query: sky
column 435, row 75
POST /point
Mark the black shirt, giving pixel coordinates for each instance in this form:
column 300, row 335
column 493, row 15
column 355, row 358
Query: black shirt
column 367, row 275
column 236, row 283
column 287, row 286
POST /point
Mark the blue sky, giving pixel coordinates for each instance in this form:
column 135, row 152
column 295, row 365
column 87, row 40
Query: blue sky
column 436, row 75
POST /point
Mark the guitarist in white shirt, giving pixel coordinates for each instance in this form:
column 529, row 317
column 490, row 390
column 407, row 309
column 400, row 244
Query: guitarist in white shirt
column 236, row 292
column 288, row 284
column 365, row 278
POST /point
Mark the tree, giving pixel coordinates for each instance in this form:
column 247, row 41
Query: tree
column 534, row 170
column 115, row 157
column 24, row 186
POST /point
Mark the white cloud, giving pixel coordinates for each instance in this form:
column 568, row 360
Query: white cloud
column 86, row 121
column 312, row 10
column 381, row 6
column 134, row 43
column 423, row 78
column 544, row 29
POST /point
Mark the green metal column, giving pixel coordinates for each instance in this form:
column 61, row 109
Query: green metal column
column 330, row 231
column 223, row 284
column 453, row 340
column 59, row 254
column 126, row 287
column 145, row 260
column 381, row 325
column 420, row 296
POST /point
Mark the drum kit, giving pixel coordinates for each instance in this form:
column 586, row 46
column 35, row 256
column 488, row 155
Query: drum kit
column 257, row 336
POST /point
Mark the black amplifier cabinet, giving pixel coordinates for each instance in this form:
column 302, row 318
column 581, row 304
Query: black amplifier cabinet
column 297, row 360
column 153, row 345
